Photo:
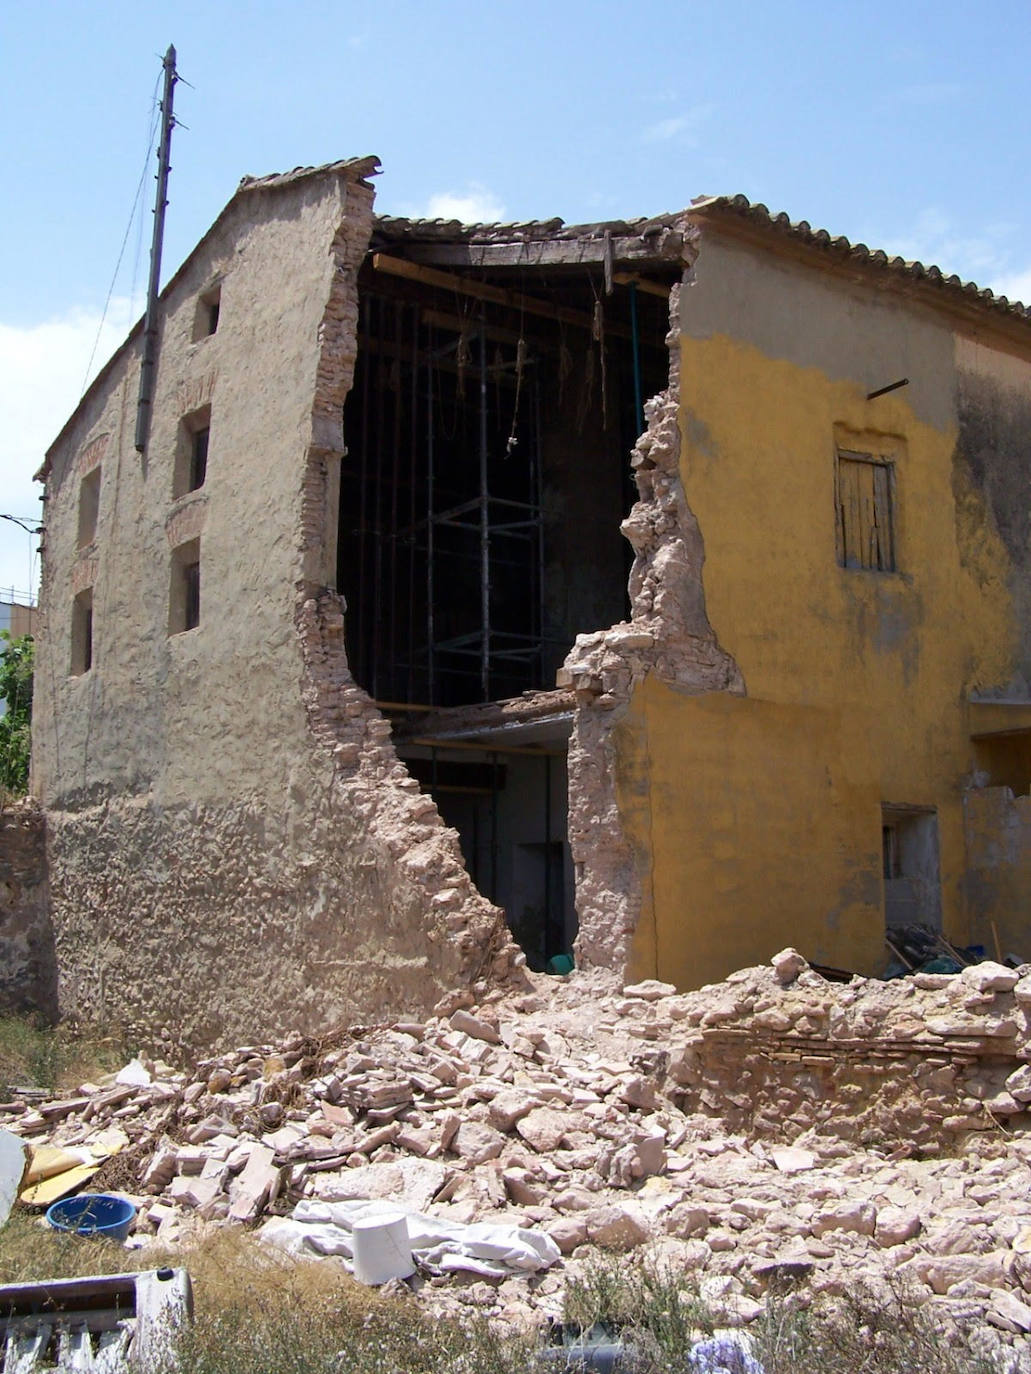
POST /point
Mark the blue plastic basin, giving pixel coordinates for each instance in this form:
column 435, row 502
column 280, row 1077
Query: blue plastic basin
column 93, row 1214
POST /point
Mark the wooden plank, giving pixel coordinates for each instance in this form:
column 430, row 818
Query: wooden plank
column 494, row 295
column 653, row 288
column 666, row 247
column 885, row 516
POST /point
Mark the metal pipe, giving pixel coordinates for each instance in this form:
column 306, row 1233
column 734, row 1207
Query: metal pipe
column 538, row 495
column 431, row 661
column 547, row 857
column 484, row 527
column 395, row 478
column 377, row 515
column 362, row 582
column 150, row 324
column 412, row 469
column 493, row 827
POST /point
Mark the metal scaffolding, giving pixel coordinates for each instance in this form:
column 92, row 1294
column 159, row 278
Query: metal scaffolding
column 444, row 525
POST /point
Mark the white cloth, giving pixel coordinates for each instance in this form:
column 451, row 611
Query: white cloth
column 493, row 1249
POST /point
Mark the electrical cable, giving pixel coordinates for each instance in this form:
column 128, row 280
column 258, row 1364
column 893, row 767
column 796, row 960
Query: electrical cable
column 154, row 119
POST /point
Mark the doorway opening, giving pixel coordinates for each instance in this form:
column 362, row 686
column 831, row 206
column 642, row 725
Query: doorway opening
column 912, row 881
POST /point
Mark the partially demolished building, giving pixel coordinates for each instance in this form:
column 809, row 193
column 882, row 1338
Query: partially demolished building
column 653, row 590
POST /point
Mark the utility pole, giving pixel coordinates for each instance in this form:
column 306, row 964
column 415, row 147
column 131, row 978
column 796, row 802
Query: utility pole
column 150, row 324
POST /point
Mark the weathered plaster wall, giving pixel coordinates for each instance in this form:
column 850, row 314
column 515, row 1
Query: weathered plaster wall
column 28, row 977
column 758, row 812
column 233, row 843
column 669, row 637
column 998, row 880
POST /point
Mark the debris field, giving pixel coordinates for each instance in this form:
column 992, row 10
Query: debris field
column 774, row 1128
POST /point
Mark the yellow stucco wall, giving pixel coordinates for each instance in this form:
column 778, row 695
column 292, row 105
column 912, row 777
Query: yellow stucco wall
column 757, row 820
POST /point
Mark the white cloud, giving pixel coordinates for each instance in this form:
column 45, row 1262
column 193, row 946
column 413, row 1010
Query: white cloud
column 985, row 256
column 684, row 127
column 43, row 366
column 1016, row 286
column 475, row 205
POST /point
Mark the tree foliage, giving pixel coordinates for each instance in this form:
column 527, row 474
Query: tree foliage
column 16, row 725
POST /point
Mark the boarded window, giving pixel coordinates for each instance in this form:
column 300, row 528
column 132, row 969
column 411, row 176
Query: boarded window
column 866, row 536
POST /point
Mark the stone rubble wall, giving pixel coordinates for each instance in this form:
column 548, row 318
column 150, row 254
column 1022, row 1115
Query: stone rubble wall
column 914, row 1063
column 668, row 635
column 27, row 971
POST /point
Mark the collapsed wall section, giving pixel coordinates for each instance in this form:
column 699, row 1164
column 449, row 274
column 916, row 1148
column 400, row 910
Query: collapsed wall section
column 668, row 636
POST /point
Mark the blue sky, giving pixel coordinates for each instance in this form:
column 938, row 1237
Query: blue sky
column 904, row 125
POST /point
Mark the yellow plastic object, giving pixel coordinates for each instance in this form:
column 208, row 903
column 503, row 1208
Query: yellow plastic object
column 48, row 1160
column 59, row 1186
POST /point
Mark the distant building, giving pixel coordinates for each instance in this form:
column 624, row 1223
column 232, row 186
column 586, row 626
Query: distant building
column 664, row 586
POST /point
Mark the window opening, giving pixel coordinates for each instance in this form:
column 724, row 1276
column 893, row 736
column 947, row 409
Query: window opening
column 89, row 507
column 184, row 592
column 205, row 320
column 82, row 633
column 865, row 514
column 191, row 456
column 199, row 458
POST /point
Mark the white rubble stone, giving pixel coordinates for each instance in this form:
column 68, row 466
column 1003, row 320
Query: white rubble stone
column 618, row 1226
column 792, row 1160
column 847, row 1215
column 134, row 1075
column 475, row 1026
column 543, row 1129
column 788, row 964
column 989, row 977
column 1018, row 1084
column 476, row 1142
column 509, row 1107
column 896, row 1225
column 568, row 1232
column 1011, row 1308
column 651, row 990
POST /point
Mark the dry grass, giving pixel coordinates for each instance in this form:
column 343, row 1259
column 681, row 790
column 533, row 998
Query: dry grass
column 262, row 1312
column 658, row 1314
column 52, row 1058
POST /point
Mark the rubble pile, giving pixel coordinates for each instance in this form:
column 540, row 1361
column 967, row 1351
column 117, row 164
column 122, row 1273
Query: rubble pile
column 773, row 1126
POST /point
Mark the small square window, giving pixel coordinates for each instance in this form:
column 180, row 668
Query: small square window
column 82, row 633
column 205, row 321
column 89, row 507
column 864, row 498
column 191, row 454
column 184, row 591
